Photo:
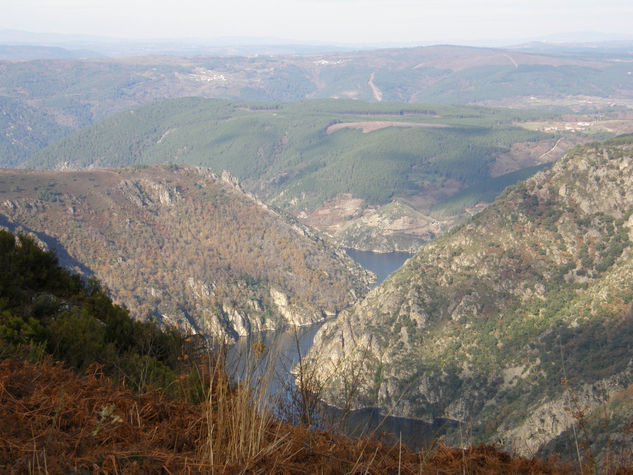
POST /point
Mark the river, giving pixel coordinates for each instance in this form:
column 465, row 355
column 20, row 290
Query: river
column 283, row 350
column 381, row 264
column 287, row 353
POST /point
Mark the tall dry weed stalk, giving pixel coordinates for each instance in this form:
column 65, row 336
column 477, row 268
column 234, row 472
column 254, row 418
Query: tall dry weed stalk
column 240, row 415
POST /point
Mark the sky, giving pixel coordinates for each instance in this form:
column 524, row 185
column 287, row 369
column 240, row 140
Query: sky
column 322, row 21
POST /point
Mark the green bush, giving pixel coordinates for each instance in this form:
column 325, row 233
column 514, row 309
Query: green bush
column 44, row 307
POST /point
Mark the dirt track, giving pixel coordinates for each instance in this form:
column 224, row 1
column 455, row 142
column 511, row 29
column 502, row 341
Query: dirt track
column 371, row 126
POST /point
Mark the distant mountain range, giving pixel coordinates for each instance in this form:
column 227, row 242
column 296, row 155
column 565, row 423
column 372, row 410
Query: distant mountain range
column 98, row 46
column 87, row 46
column 78, row 92
column 29, row 53
column 334, row 166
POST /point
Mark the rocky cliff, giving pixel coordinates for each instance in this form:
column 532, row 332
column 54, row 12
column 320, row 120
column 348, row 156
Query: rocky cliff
column 185, row 246
column 518, row 323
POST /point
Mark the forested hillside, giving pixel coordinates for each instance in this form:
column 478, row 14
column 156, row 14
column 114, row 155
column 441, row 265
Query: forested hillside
column 47, row 310
column 24, row 130
column 79, row 92
column 183, row 246
column 319, row 158
column 337, row 165
column 319, row 148
column 518, row 324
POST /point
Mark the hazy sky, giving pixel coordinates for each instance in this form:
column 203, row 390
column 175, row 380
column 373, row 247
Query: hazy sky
column 324, row 21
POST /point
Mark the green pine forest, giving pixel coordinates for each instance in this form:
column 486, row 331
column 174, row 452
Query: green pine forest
column 284, row 153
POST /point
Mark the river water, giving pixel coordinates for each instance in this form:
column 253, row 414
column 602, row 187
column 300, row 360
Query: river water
column 272, row 355
column 282, row 351
column 290, row 346
column 381, row 264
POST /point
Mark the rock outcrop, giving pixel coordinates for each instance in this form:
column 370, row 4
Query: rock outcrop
column 185, row 246
column 512, row 322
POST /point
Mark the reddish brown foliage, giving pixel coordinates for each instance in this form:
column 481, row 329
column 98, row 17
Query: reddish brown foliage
column 50, row 421
column 325, row 453
column 55, row 421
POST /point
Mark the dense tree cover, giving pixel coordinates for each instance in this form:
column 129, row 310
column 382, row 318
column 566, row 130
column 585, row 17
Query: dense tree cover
column 496, row 82
column 487, row 190
column 180, row 244
column 287, row 152
column 45, row 309
column 24, row 130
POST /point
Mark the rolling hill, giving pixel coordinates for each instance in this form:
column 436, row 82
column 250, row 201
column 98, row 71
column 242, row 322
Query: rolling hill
column 78, row 92
column 374, row 176
column 579, row 95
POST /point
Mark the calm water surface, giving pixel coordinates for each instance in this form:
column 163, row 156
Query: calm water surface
column 282, row 350
column 381, row 264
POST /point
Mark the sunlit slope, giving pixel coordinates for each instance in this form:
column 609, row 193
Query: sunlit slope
column 500, row 323
column 184, row 246
column 320, row 148
column 302, row 156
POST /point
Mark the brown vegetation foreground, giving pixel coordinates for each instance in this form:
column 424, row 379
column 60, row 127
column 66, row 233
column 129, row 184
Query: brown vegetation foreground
column 54, row 421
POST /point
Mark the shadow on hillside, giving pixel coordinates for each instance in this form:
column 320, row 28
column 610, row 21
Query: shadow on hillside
column 64, row 258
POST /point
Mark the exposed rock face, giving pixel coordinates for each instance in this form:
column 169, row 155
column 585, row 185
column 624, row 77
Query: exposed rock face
column 482, row 325
column 292, row 314
column 393, row 227
column 149, row 194
column 184, row 246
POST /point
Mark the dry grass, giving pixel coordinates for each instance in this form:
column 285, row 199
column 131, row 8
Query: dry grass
column 239, row 419
column 54, row 421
